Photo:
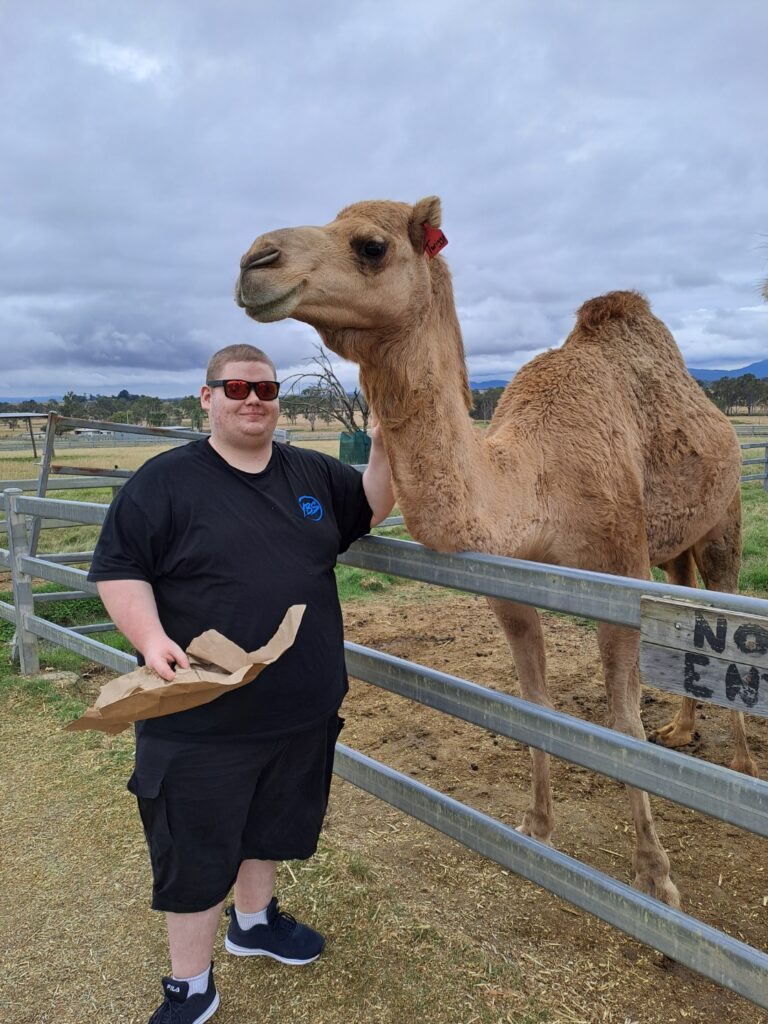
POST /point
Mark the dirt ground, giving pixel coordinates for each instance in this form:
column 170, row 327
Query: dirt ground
column 721, row 871
column 571, row 967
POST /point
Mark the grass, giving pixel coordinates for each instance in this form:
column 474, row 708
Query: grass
column 74, row 860
column 754, row 565
column 354, row 584
column 385, row 964
column 753, row 577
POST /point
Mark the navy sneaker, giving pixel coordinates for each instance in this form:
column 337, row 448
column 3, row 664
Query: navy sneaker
column 282, row 937
column 180, row 1008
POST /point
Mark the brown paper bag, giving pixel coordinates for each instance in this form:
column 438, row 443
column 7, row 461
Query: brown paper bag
column 217, row 666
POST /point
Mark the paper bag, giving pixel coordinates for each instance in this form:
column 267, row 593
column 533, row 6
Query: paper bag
column 217, row 666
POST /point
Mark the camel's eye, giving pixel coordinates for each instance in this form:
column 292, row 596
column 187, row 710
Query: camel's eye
column 372, row 249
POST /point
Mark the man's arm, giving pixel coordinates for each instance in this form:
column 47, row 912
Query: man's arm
column 377, row 480
column 131, row 605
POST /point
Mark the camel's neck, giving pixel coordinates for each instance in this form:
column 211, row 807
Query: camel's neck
column 418, row 389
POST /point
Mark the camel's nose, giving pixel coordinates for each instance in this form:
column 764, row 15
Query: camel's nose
column 262, row 257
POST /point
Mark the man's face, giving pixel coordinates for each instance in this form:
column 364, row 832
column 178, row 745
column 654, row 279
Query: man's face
column 240, row 423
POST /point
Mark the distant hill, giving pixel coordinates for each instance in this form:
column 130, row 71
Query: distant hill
column 759, row 369
column 483, row 385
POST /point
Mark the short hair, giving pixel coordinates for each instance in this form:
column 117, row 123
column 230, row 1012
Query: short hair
column 236, row 354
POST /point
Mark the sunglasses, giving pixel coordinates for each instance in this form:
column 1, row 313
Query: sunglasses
column 266, row 390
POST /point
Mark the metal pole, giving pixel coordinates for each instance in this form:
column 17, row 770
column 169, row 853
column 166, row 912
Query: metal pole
column 23, row 599
column 42, row 480
column 32, row 437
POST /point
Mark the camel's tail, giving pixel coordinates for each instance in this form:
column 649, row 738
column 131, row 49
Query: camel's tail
column 613, row 306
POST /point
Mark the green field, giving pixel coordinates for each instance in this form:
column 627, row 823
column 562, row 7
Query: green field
column 354, row 584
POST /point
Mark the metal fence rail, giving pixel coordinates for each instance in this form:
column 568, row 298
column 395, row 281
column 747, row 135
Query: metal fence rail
column 707, row 788
column 728, row 961
column 593, row 595
column 763, row 476
column 718, row 792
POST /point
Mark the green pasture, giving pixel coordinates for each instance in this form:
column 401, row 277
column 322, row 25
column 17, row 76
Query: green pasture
column 354, row 584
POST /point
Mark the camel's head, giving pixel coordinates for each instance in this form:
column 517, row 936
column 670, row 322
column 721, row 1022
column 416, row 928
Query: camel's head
column 366, row 273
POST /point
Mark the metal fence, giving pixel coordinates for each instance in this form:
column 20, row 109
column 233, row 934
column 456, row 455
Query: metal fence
column 763, row 475
column 707, row 788
column 751, row 429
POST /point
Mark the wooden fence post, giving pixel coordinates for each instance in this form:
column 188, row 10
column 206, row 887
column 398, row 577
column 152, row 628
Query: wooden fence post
column 18, row 547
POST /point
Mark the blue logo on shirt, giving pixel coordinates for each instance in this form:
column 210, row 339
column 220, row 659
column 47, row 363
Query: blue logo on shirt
column 311, row 508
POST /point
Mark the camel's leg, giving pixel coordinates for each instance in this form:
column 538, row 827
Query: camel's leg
column 619, row 649
column 522, row 627
column 679, row 731
column 718, row 557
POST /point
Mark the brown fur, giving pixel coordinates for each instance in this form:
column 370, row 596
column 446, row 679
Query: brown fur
column 603, row 454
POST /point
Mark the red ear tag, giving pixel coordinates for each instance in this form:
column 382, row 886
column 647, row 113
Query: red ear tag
column 434, row 240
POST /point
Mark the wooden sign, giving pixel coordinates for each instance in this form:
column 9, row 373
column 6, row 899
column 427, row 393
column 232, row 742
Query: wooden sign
column 706, row 653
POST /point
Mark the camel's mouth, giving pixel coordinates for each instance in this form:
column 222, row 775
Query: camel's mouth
column 269, row 310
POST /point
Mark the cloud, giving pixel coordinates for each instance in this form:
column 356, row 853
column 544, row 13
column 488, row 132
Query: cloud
column 122, row 61
column 576, row 151
column 722, row 338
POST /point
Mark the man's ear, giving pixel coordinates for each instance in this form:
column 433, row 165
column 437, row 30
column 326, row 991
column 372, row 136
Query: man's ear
column 205, row 397
column 426, row 211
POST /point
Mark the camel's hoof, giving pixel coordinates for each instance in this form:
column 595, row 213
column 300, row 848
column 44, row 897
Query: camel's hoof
column 746, row 768
column 663, row 889
column 524, row 830
column 673, row 736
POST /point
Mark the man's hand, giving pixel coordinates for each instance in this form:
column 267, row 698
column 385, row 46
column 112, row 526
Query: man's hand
column 161, row 653
column 377, row 480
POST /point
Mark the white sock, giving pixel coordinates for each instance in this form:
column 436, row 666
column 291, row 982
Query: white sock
column 247, row 921
column 197, row 985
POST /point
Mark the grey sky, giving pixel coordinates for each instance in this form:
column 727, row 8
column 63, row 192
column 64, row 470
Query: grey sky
column 577, row 148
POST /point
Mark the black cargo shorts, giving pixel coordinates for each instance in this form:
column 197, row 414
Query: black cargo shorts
column 208, row 806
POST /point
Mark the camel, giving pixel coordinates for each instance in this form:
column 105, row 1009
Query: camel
column 603, row 454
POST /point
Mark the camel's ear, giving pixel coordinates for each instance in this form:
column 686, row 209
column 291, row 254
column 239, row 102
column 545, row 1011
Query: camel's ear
column 426, row 211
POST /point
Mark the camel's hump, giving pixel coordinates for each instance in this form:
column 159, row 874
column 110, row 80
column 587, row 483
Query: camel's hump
column 612, row 306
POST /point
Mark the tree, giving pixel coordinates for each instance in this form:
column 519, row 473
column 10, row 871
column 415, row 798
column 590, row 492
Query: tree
column 101, row 407
column 350, row 408
column 290, row 411
column 748, row 390
column 74, row 405
column 484, row 402
column 190, row 407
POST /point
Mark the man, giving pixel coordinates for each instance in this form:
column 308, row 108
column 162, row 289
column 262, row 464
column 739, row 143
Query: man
column 226, row 533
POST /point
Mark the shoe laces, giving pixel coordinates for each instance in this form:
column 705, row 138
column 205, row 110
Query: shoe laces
column 283, row 923
column 168, row 1013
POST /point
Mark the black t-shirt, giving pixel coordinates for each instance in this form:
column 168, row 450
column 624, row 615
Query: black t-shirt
column 231, row 551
